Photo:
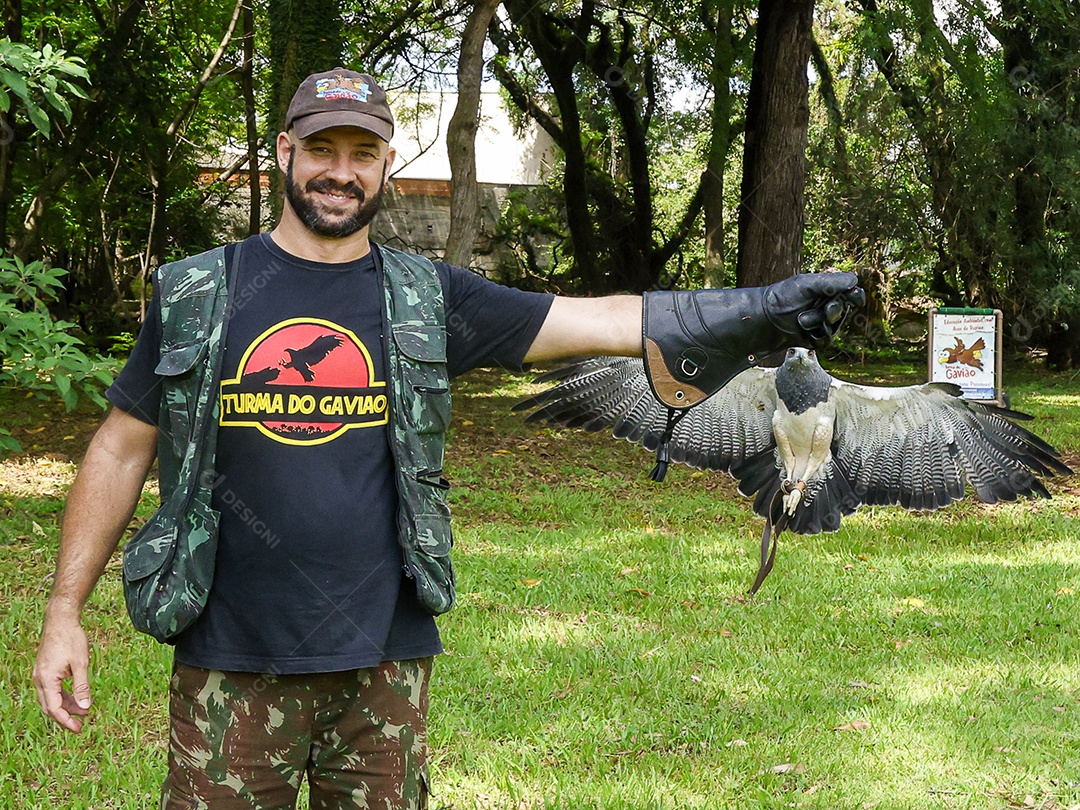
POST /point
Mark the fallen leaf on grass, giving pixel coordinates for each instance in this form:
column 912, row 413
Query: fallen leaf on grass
column 34, row 430
column 854, row 725
column 789, row 767
column 531, row 583
column 638, row 591
column 735, row 743
column 1065, row 591
column 627, row 571
column 914, row 602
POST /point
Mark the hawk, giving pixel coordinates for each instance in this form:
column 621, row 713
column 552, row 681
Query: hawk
column 315, row 352
column 810, row 448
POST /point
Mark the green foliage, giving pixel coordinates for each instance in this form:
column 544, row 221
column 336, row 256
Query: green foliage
column 37, row 352
column 945, row 160
column 40, row 79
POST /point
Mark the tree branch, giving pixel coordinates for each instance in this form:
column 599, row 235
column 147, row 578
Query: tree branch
column 189, row 106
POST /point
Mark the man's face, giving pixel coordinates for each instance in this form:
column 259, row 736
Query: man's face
column 335, row 178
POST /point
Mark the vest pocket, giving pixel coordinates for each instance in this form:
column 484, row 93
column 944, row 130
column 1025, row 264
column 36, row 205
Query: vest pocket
column 429, row 563
column 423, row 372
column 181, row 359
column 181, row 403
column 433, row 532
column 168, row 568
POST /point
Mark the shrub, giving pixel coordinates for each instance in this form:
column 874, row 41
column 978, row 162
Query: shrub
column 38, row 353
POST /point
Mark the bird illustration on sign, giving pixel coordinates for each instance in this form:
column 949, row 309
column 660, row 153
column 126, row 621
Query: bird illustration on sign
column 965, row 355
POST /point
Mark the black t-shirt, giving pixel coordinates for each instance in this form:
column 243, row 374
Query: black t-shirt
column 310, row 574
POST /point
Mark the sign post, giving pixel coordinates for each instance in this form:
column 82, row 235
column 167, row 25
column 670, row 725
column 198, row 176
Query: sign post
column 965, row 349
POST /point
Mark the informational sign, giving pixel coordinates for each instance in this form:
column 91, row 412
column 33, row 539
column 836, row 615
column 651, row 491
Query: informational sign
column 965, row 349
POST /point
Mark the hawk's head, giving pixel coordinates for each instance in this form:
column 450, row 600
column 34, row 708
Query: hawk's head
column 800, row 382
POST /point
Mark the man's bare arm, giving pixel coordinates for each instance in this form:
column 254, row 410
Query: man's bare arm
column 99, row 508
column 589, row 326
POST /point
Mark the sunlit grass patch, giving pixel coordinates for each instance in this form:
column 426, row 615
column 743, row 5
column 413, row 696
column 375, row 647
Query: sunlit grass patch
column 603, row 654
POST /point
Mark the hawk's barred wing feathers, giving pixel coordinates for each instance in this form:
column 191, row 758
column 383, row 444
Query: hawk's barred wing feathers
column 917, row 446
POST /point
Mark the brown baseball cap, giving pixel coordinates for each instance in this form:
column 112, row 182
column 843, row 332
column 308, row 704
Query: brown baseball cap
column 339, row 98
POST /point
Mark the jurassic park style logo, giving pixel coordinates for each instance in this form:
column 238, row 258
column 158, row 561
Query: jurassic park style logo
column 304, row 381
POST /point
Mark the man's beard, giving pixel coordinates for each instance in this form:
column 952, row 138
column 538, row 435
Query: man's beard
column 332, row 227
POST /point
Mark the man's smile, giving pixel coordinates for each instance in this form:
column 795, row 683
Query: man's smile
column 335, row 197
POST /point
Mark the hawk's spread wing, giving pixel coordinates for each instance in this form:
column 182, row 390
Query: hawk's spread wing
column 917, row 446
column 317, row 349
column 603, row 393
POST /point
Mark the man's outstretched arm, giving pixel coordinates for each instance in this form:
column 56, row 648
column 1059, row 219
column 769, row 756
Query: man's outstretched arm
column 99, row 508
column 577, row 327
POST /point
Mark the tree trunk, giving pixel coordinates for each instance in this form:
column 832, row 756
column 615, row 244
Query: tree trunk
column 8, row 144
column 461, row 137
column 247, row 88
column 631, row 238
column 771, row 214
column 560, row 52
column 719, row 147
column 305, row 38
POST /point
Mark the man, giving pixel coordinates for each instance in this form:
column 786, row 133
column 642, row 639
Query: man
column 312, row 654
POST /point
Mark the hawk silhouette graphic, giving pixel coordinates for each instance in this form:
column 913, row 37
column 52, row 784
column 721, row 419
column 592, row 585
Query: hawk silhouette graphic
column 303, row 359
column 261, row 376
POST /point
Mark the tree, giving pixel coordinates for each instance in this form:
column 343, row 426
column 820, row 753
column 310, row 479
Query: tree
column 37, row 352
column 772, row 209
column 306, row 36
column 461, row 137
column 948, row 144
column 592, row 82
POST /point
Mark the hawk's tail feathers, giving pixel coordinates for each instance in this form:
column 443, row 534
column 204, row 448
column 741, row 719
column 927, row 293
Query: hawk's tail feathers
column 826, row 499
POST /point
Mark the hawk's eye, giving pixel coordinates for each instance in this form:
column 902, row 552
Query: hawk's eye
column 812, row 353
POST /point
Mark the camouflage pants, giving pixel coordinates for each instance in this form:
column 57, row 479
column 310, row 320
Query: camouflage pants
column 242, row 740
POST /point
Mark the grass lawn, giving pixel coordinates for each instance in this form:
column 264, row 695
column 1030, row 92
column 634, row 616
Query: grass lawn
column 602, row 655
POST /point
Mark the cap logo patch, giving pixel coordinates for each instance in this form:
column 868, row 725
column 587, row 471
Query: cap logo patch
column 342, row 87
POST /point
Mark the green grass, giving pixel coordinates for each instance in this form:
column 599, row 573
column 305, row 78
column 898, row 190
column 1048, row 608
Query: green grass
column 602, row 655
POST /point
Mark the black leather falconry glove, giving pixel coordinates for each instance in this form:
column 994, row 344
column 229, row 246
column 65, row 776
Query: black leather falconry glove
column 695, row 341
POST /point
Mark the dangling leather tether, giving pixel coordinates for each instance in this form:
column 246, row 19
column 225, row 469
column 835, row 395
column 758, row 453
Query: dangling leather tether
column 663, row 451
column 773, row 528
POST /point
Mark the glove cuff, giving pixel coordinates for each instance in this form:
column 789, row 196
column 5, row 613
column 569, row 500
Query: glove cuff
column 688, row 337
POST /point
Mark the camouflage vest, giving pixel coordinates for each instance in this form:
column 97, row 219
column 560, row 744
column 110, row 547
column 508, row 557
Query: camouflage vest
column 169, row 564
